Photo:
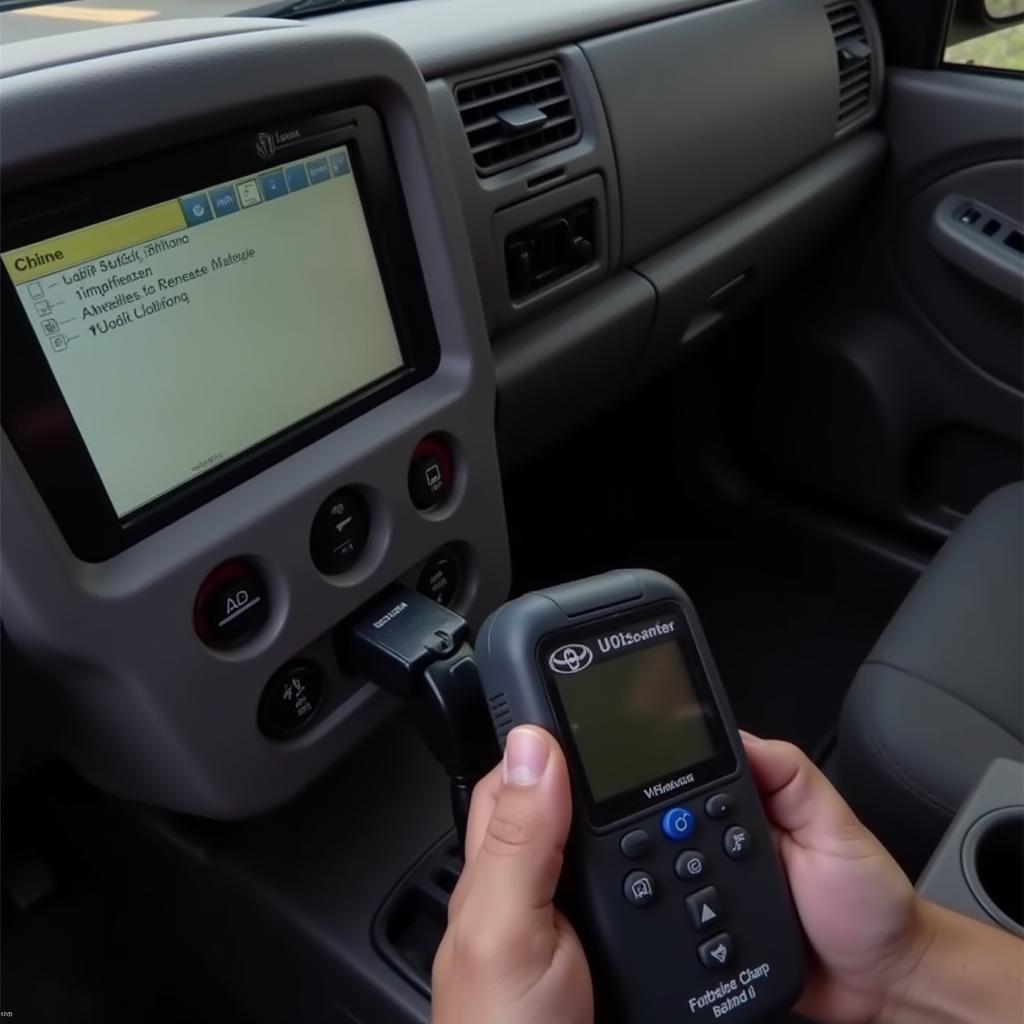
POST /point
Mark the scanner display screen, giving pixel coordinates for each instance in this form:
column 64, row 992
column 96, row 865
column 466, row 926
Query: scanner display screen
column 635, row 704
column 185, row 333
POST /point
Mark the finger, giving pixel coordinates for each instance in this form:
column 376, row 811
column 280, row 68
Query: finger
column 796, row 795
column 511, row 881
column 481, row 807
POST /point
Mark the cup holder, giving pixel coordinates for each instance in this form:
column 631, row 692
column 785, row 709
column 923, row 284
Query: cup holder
column 993, row 864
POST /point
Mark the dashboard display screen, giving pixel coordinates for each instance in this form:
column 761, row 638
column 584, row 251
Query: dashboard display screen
column 187, row 332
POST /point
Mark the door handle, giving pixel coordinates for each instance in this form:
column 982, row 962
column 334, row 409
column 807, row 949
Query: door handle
column 982, row 242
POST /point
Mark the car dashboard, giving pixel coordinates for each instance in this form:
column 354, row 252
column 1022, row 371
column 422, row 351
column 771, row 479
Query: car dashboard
column 506, row 217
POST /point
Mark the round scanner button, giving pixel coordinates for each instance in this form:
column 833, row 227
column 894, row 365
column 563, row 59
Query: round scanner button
column 638, row 888
column 635, row 844
column 690, row 865
column 678, row 823
column 718, row 806
column 736, row 842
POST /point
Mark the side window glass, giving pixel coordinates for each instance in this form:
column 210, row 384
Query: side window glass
column 987, row 34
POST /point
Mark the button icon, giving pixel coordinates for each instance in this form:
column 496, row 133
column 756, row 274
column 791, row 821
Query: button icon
column 339, row 164
column 224, row 200
column 638, row 888
column 196, row 209
column 716, row 952
column 431, row 474
column 440, row 578
column 340, row 531
column 736, row 842
column 704, row 907
column 318, row 170
column 678, row 823
column 273, row 185
column 291, row 699
column 296, row 177
column 690, row 865
column 249, row 193
column 231, row 605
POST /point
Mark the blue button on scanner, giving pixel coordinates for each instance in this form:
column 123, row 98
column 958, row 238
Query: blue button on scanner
column 678, row 823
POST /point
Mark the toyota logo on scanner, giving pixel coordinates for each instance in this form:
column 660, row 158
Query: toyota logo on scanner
column 570, row 658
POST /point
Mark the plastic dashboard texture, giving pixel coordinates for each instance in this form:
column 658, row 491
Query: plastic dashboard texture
column 706, row 108
column 151, row 714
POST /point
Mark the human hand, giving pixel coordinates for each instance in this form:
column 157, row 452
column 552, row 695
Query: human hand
column 867, row 928
column 508, row 956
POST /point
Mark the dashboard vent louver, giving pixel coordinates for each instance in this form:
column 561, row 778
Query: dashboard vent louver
column 517, row 115
column 853, row 54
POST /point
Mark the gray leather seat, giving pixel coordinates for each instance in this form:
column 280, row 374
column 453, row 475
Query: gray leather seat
column 942, row 693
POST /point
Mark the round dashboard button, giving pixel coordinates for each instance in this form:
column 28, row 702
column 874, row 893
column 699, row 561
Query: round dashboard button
column 440, row 578
column 340, row 530
column 231, row 605
column 431, row 474
column 290, row 700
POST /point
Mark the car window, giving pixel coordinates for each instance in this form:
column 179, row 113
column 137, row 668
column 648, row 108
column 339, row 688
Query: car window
column 987, row 34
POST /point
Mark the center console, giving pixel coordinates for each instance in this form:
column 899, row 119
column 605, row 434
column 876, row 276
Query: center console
column 978, row 868
column 244, row 373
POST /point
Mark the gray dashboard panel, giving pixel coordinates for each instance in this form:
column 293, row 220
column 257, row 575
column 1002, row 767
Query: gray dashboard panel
column 485, row 200
column 446, row 36
column 707, row 107
column 157, row 716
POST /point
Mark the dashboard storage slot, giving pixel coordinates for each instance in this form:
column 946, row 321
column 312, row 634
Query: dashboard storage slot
column 409, row 926
column 545, row 252
column 550, row 247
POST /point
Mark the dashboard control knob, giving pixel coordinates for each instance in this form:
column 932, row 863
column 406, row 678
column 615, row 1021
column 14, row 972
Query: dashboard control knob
column 431, row 474
column 340, row 531
column 291, row 699
column 440, row 578
column 232, row 604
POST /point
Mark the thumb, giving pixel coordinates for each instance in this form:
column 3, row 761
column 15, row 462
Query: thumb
column 514, row 871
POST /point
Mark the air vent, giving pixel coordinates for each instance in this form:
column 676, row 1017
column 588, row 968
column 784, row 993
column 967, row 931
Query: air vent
column 516, row 116
column 853, row 54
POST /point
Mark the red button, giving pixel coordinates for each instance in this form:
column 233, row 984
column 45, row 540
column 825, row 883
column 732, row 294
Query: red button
column 431, row 474
column 231, row 605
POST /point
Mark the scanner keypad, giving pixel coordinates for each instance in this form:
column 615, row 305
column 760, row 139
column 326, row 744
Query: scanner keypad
column 690, row 866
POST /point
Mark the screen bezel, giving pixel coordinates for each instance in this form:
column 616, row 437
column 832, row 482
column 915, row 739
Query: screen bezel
column 612, row 811
column 36, row 417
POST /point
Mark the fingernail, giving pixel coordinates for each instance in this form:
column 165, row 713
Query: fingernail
column 749, row 737
column 526, row 755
